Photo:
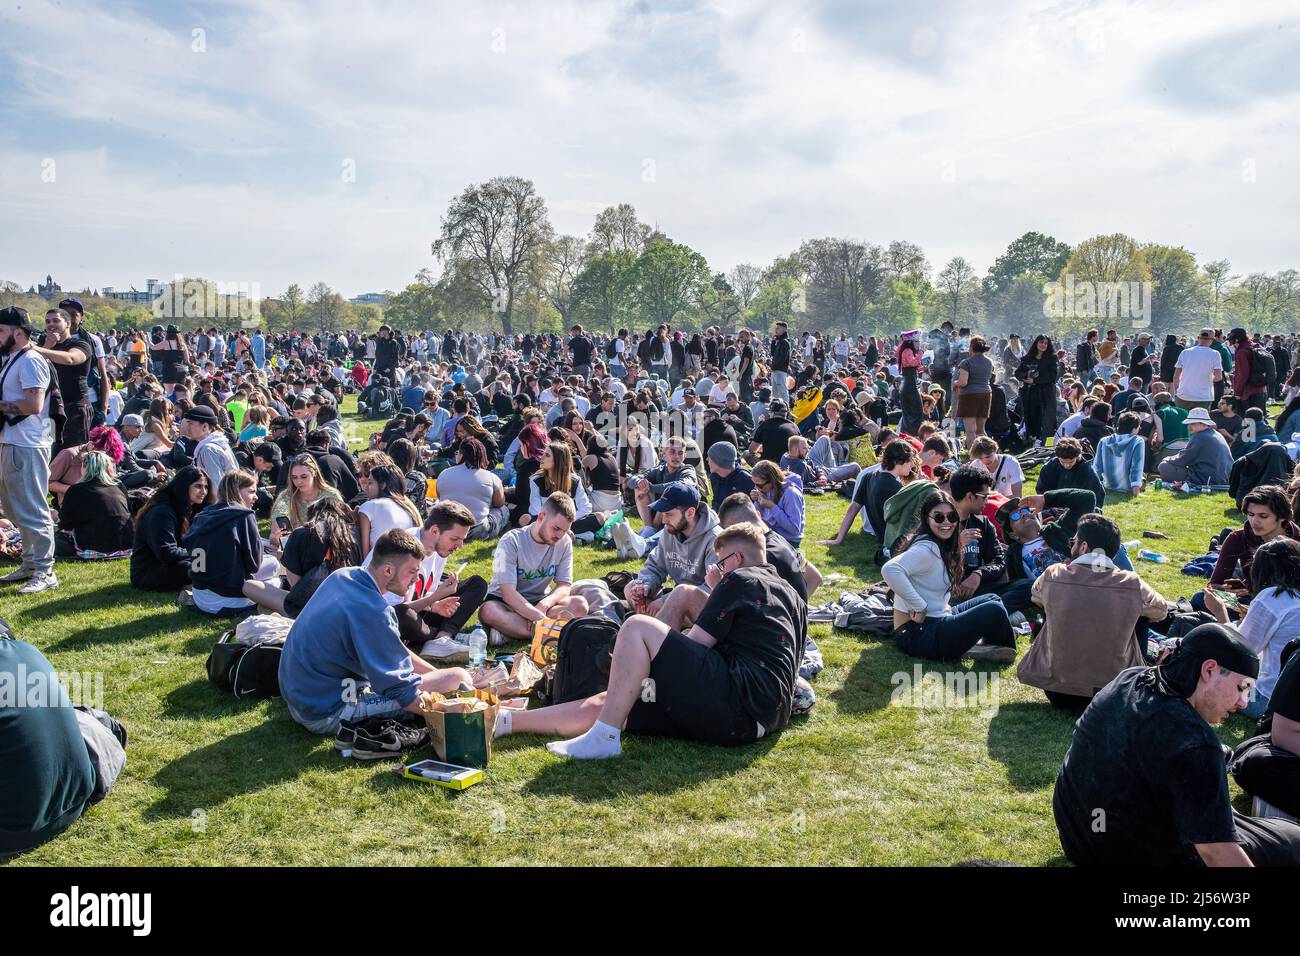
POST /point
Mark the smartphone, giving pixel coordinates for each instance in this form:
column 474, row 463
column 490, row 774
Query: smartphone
column 282, row 523
column 449, row 775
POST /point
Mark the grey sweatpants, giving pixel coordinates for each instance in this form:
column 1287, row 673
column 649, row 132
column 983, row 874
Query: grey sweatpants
column 24, row 496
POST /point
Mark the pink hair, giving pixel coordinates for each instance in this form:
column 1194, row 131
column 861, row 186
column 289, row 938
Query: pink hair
column 107, row 440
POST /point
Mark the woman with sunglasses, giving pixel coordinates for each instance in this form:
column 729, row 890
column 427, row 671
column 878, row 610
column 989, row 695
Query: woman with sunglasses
column 779, row 497
column 922, row 575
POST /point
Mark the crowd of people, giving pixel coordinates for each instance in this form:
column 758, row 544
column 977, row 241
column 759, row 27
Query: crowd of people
column 217, row 465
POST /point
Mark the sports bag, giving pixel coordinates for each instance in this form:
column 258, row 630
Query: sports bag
column 243, row 670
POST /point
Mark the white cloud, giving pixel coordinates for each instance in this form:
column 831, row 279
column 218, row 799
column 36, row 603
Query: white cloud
column 949, row 125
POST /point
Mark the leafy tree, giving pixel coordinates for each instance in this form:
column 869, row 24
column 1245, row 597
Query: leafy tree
column 326, row 307
column 493, row 235
column 1032, row 254
column 563, row 258
column 293, row 303
column 1219, row 279
column 600, row 298
column 617, row 229
column 959, row 292
column 1179, row 289
column 744, row 280
column 844, row 276
column 776, row 301
column 666, row 280
column 904, row 260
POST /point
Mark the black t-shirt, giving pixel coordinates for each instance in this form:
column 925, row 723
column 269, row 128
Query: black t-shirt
column 746, row 371
column 786, row 563
column 774, row 435
column 1286, row 692
column 759, row 623
column 304, row 555
column 580, row 345
column 1143, row 781
column 72, row 378
column 872, row 493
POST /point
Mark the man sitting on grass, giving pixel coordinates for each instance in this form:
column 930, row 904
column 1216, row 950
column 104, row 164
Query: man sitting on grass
column 682, row 553
column 728, row 681
column 527, row 561
column 344, row 660
column 1144, row 782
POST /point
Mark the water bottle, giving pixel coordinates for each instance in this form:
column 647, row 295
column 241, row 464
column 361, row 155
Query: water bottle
column 1134, row 545
column 477, row 646
column 1157, row 484
column 1155, row 556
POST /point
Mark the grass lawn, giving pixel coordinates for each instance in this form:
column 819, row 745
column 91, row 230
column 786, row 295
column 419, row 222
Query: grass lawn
column 210, row 780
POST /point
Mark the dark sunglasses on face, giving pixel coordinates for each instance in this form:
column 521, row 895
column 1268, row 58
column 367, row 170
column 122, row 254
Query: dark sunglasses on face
column 947, row 517
column 1021, row 513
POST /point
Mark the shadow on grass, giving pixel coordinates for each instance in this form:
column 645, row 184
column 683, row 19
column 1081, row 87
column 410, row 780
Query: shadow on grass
column 199, row 700
column 273, row 752
column 1031, row 739
column 111, row 596
column 869, row 685
column 648, row 766
column 132, row 630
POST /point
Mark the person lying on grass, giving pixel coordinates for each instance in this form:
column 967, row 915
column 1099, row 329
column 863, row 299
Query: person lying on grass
column 344, row 659
column 729, row 680
column 526, row 563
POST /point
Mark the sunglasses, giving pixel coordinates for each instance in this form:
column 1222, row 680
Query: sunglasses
column 1021, row 513
column 948, row 517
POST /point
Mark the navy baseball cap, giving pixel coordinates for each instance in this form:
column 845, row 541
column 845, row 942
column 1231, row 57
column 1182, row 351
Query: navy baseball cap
column 73, row 305
column 679, row 494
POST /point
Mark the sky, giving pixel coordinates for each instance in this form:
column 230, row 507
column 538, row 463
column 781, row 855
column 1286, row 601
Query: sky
column 279, row 142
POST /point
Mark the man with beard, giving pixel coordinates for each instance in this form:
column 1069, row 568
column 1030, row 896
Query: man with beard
column 71, row 358
column 25, row 438
column 1144, row 782
column 682, row 553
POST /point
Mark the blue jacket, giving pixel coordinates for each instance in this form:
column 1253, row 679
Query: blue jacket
column 344, row 639
column 225, row 549
column 1118, row 462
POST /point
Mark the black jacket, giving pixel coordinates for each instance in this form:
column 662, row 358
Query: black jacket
column 1053, row 476
column 98, row 516
column 781, row 353
column 158, row 561
column 226, row 548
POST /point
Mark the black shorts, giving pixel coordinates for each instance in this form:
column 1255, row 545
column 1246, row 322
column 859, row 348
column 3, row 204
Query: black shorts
column 693, row 697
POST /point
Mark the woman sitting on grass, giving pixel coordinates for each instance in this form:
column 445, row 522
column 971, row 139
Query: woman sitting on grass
column 555, row 473
column 226, row 548
column 158, row 562
column 312, row 553
column 95, row 512
column 922, row 574
column 1268, row 517
column 306, row 486
column 779, row 497
column 386, row 507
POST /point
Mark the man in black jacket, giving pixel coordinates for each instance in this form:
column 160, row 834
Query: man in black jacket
column 1085, row 356
column 970, row 489
column 780, row 349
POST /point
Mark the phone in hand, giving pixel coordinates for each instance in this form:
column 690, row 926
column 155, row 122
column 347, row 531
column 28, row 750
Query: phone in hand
column 282, row 523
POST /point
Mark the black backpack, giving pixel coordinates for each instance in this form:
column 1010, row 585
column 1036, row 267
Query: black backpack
column 586, row 649
column 1263, row 369
column 245, row 671
column 611, row 349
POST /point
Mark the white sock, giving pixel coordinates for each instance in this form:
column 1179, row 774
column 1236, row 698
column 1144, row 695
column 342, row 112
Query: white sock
column 600, row 742
column 505, row 723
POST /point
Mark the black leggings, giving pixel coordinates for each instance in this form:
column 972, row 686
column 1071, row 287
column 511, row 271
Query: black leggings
column 1268, row 772
column 416, row 627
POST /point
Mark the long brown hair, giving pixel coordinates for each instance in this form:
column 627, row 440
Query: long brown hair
column 950, row 550
column 559, row 477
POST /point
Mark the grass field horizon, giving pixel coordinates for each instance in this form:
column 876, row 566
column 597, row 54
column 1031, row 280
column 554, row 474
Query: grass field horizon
column 210, row 780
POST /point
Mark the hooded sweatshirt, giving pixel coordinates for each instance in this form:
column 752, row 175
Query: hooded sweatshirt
column 685, row 561
column 786, row 519
column 214, row 457
column 225, row 549
column 1118, row 462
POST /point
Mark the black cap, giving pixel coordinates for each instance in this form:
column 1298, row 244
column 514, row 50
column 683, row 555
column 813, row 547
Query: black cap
column 16, row 317
column 201, row 413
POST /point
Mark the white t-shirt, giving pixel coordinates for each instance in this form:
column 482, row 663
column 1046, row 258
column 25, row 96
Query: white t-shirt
column 1271, row 622
column 1197, row 382
column 429, row 578
column 385, row 514
column 1007, row 474
column 31, row 371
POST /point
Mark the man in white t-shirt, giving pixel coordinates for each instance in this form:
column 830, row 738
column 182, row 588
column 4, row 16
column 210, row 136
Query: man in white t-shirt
column 1008, row 477
column 1198, row 368
column 25, row 439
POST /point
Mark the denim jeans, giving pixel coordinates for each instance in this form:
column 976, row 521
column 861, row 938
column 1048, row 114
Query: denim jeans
column 948, row 638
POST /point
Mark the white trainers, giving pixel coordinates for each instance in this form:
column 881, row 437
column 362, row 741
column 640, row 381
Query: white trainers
column 22, row 574
column 623, row 535
column 445, row 651
column 39, row 583
column 495, row 637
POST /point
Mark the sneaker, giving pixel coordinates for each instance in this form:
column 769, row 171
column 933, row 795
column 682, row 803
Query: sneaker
column 443, row 650
column 1018, row 619
column 13, row 577
column 39, row 583
column 345, row 738
column 623, row 535
column 496, row 638
column 386, row 738
column 185, row 598
column 991, row 654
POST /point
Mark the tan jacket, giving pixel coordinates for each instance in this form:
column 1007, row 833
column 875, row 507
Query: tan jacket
column 1087, row 637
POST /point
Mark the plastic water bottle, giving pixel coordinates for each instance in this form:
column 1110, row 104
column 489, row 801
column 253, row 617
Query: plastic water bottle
column 1134, row 545
column 1155, row 556
column 477, row 646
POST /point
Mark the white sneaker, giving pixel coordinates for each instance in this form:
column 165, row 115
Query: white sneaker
column 39, row 583
column 13, row 577
column 623, row 537
column 445, row 651
column 495, row 637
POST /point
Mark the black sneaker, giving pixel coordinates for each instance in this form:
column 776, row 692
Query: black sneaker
column 389, row 738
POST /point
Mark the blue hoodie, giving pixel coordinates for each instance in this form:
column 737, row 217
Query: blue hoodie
column 346, row 633
column 786, row 519
column 231, row 549
column 1118, row 462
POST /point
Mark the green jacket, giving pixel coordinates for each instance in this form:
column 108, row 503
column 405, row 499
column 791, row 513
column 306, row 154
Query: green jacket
column 903, row 512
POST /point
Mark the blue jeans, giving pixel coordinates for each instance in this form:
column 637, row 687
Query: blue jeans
column 948, row 638
column 1255, row 709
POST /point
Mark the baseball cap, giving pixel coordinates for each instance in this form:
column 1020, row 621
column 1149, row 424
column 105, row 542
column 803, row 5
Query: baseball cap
column 690, row 392
column 679, row 494
column 15, row 316
column 723, row 454
column 132, row 419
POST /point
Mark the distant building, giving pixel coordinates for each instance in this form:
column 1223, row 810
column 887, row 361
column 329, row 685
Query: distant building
column 135, row 295
column 49, row 289
column 369, row 298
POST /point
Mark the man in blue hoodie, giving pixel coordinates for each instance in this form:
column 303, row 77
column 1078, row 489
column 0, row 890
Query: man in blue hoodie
column 344, row 660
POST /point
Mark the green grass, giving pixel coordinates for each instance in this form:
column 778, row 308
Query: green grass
column 210, row 780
